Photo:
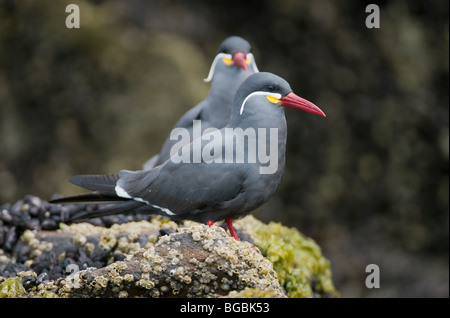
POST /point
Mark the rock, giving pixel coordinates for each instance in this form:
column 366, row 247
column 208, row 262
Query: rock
column 158, row 258
column 11, row 288
column 195, row 262
column 302, row 269
column 33, row 213
column 82, row 245
column 251, row 293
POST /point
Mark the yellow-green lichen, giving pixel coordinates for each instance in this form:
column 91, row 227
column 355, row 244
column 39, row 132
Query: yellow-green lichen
column 11, row 288
column 49, row 294
column 252, row 293
column 301, row 268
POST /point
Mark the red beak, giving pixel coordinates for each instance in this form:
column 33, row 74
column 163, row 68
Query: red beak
column 239, row 60
column 294, row 101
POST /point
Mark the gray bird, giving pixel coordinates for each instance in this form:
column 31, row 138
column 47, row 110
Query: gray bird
column 231, row 177
column 233, row 63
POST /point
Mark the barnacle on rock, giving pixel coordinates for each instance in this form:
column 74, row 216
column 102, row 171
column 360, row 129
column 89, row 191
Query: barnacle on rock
column 169, row 269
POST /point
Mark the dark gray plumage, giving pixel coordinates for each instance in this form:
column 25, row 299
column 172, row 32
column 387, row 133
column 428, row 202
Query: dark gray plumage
column 214, row 110
column 213, row 189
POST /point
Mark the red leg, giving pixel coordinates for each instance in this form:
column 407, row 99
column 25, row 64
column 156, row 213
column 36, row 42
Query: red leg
column 210, row 223
column 231, row 228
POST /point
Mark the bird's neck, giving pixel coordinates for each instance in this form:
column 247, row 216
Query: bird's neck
column 224, row 87
column 268, row 138
column 257, row 121
column 273, row 129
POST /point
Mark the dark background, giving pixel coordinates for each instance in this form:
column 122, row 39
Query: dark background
column 369, row 183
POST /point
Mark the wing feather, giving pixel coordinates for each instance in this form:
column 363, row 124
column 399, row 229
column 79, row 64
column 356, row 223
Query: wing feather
column 184, row 188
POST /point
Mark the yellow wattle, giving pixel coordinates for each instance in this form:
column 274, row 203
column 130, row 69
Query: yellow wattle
column 227, row 61
column 272, row 99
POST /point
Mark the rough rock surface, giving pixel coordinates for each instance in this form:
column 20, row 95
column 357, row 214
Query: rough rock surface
column 195, row 262
column 158, row 258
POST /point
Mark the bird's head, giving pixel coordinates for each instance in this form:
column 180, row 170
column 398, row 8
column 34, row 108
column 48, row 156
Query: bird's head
column 266, row 89
column 233, row 54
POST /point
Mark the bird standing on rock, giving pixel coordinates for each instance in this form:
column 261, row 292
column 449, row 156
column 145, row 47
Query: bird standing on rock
column 222, row 185
column 233, row 63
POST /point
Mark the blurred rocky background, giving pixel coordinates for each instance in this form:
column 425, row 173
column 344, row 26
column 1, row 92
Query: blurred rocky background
column 369, row 183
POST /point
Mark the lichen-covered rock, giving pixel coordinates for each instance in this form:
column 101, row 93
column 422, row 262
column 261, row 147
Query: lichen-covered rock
column 195, row 262
column 11, row 288
column 33, row 213
column 156, row 257
column 82, row 245
column 252, row 293
column 302, row 269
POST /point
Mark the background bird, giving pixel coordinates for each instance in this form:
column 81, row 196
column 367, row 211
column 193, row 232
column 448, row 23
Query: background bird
column 233, row 63
column 207, row 191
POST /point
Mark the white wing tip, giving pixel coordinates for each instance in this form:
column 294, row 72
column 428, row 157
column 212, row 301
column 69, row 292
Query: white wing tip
column 121, row 192
column 165, row 210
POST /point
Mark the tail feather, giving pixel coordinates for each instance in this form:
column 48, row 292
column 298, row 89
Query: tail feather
column 102, row 183
column 92, row 197
column 104, row 192
column 119, row 208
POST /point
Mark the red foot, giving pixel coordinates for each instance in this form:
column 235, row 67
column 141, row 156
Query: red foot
column 231, row 228
column 210, row 223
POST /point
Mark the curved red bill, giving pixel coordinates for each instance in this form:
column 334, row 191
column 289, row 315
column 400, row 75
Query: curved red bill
column 295, row 101
column 239, row 60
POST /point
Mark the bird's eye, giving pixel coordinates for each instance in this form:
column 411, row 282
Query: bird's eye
column 271, row 88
